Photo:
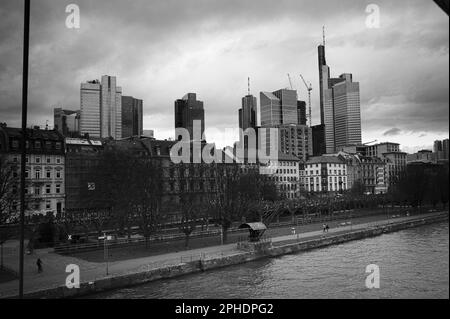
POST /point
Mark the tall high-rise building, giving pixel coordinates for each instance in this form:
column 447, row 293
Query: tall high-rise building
column 101, row 108
column 66, row 122
column 437, row 146
column 187, row 110
column 339, row 107
column 301, row 112
column 326, row 100
column 318, row 139
column 441, row 149
column 445, row 148
column 296, row 139
column 247, row 114
column 280, row 109
column 347, row 112
column 247, row 120
column 132, row 117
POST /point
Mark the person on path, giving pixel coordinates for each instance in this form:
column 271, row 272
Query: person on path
column 324, row 228
column 327, row 227
column 39, row 265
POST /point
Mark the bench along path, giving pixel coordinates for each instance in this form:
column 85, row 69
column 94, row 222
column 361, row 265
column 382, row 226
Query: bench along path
column 54, row 265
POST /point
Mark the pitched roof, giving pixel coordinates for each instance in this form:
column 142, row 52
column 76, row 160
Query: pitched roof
column 325, row 159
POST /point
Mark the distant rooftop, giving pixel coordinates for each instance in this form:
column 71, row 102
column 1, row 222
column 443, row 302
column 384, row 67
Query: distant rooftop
column 324, row 159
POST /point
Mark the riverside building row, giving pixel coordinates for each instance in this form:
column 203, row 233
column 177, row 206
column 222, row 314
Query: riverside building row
column 59, row 175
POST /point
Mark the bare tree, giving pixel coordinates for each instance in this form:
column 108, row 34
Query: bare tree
column 8, row 193
column 224, row 202
column 145, row 195
column 190, row 211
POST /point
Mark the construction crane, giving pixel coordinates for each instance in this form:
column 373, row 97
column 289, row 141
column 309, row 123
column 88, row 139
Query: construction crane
column 290, row 82
column 309, row 88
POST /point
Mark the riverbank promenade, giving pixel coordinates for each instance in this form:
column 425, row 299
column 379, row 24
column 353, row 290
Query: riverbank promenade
column 54, row 265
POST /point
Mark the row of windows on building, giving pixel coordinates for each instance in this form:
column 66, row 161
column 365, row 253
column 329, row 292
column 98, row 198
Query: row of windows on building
column 15, row 144
column 288, row 187
column 35, row 206
column 39, row 190
column 330, row 172
column 317, row 179
column 330, row 165
column 286, row 171
column 39, row 160
column 329, row 187
column 45, row 190
column 40, row 174
column 284, row 178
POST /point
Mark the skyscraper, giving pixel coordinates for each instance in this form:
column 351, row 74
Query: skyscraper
column 132, row 117
column 247, row 114
column 101, row 108
column 280, row 109
column 347, row 112
column 66, row 122
column 318, row 137
column 187, row 110
column 339, row 107
column 441, row 149
column 301, row 112
column 326, row 100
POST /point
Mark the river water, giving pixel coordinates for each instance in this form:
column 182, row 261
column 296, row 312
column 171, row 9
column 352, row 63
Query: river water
column 413, row 263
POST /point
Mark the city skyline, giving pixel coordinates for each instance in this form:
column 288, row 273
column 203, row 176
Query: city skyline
column 408, row 106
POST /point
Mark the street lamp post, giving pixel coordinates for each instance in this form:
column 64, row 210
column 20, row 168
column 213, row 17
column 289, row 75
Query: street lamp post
column 26, row 40
column 105, row 251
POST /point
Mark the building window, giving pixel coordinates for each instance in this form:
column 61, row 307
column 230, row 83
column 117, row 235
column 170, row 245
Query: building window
column 27, row 174
column 38, row 160
column 48, row 189
column 58, row 174
column 37, row 174
column 15, row 144
column 58, row 188
column 37, row 190
column 48, row 205
column 37, row 144
column 48, row 160
column 58, row 145
column 58, row 160
column 49, row 175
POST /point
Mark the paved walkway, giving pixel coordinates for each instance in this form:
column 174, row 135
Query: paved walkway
column 54, row 265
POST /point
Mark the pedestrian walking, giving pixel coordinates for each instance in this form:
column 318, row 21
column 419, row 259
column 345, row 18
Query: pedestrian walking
column 39, row 265
column 327, row 227
column 324, row 227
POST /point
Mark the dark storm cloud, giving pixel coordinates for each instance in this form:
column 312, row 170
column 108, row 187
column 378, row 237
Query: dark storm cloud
column 159, row 50
column 392, row 132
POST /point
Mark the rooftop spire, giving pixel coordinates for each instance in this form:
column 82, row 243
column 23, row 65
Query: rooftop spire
column 323, row 35
column 248, row 85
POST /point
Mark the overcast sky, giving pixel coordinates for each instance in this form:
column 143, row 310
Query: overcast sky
column 160, row 50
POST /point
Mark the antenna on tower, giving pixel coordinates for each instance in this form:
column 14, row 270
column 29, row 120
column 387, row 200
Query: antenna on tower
column 323, row 35
column 248, row 85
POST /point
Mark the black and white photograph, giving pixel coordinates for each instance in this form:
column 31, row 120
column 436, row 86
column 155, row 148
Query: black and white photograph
column 224, row 156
